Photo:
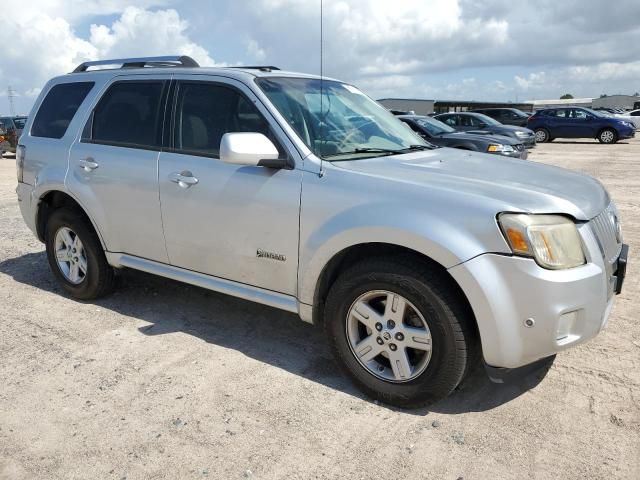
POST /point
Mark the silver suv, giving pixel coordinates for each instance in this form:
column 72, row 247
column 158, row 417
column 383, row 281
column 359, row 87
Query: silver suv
column 304, row 194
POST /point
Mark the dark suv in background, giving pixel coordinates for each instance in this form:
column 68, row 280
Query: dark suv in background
column 478, row 123
column 506, row 116
column 573, row 122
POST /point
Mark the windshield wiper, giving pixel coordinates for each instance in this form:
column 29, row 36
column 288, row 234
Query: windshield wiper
column 390, row 151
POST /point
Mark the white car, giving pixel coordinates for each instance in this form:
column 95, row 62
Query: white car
column 632, row 117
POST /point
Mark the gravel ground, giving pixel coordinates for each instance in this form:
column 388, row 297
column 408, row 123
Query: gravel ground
column 163, row 380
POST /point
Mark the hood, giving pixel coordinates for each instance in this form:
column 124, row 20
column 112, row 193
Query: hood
column 487, row 136
column 507, row 184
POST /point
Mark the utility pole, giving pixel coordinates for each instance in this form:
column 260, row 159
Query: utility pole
column 11, row 94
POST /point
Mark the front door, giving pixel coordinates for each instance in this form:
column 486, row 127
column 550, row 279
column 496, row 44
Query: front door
column 240, row 223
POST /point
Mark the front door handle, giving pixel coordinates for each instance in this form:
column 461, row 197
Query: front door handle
column 184, row 179
column 88, row 164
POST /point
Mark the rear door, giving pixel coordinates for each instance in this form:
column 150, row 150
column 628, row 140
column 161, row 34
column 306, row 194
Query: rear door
column 239, row 223
column 113, row 167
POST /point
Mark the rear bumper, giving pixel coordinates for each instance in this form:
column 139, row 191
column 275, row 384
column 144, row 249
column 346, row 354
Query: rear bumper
column 27, row 205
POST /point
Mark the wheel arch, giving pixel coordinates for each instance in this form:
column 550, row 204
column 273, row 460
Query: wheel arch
column 351, row 255
column 53, row 200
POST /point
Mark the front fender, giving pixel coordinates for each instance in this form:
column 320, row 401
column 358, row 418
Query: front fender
column 445, row 238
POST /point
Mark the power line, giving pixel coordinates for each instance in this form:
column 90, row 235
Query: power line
column 11, row 94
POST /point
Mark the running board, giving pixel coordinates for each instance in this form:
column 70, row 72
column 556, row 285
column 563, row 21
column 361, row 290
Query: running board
column 228, row 287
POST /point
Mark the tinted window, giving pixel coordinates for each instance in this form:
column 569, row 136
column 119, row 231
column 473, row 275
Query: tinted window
column 206, row 111
column 635, row 114
column 560, row 114
column 58, row 108
column 449, row 120
column 129, row 113
column 579, row 114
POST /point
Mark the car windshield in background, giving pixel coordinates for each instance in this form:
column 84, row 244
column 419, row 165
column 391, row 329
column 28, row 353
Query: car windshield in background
column 342, row 123
column 486, row 119
column 433, row 126
column 20, row 122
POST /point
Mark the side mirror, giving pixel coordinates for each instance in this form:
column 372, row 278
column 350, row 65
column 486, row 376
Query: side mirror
column 251, row 149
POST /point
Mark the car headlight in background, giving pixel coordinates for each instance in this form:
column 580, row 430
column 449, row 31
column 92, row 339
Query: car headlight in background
column 500, row 148
column 521, row 134
column 552, row 240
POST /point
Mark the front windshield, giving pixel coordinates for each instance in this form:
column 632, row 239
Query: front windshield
column 486, row 119
column 595, row 113
column 433, row 126
column 20, row 121
column 341, row 124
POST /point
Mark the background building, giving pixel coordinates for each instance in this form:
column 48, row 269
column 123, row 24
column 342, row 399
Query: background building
column 419, row 106
column 616, row 101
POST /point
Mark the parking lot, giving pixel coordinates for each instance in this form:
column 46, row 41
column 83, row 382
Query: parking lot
column 163, row 380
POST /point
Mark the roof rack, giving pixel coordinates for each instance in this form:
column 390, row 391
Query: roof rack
column 166, row 61
column 262, row 68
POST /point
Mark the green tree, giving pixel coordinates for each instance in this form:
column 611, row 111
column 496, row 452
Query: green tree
column 566, row 96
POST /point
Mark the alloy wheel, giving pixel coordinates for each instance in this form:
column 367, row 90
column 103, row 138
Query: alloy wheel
column 70, row 255
column 389, row 336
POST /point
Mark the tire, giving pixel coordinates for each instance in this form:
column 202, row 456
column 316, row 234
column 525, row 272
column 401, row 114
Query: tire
column 435, row 298
column 98, row 277
column 608, row 136
column 542, row 135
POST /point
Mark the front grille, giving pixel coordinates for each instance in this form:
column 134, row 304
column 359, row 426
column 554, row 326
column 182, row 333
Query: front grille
column 605, row 229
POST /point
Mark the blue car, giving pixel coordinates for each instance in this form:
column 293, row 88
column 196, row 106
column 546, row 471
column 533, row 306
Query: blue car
column 573, row 122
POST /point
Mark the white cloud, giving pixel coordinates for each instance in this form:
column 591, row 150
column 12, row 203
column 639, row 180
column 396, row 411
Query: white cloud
column 45, row 45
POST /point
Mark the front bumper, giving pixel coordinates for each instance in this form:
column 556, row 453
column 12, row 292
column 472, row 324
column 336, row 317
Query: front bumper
column 525, row 312
column 521, row 154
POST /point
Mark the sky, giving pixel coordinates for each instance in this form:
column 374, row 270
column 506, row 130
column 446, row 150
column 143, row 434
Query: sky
column 502, row 50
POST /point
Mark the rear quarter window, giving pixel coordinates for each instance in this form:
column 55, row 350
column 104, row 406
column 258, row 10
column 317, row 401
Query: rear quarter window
column 58, row 109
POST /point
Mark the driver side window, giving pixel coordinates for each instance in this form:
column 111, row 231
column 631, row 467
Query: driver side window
column 204, row 112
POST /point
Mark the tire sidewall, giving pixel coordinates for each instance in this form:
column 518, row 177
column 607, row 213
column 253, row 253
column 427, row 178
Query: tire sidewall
column 93, row 251
column 444, row 370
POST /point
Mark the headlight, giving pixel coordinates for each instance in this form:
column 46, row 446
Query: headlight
column 521, row 134
column 500, row 148
column 552, row 240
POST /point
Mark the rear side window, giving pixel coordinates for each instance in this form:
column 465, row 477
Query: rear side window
column 130, row 114
column 58, row 108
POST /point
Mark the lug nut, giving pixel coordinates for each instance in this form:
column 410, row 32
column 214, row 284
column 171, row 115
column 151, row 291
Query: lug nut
column 399, row 336
column 391, row 324
column 378, row 326
column 393, row 347
column 379, row 340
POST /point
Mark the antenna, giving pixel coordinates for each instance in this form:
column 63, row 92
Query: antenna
column 11, row 94
column 321, row 173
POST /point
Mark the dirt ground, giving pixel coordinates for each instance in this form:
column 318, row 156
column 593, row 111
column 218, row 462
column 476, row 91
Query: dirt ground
column 167, row 381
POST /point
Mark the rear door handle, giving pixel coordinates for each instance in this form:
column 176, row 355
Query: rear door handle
column 184, row 179
column 88, row 164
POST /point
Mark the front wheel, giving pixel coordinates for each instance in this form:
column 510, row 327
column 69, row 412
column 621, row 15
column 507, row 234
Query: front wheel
column 400, row 331
column 608, row 135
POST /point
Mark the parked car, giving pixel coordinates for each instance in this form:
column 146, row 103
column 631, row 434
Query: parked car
column 575, row 122
column 442, row 135
column 13, row 127
column 304, row 194
column 632, row 117
column 505, row 116
column 4, row 141
column 478, row 123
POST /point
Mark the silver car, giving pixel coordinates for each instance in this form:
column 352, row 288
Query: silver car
column 304, row 194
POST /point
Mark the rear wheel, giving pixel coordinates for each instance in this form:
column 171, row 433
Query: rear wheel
column 76, row 257
column 400, row 331
column 608, row 135
column 542, row 135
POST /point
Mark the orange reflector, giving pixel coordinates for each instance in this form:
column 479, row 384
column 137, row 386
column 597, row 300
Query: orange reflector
column 517, row 240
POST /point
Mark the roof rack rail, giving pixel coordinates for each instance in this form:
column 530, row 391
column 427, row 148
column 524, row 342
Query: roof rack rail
column 166, row 61
column 262, row 68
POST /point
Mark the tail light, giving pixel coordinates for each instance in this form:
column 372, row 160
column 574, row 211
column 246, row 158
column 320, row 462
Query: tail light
column 20, row 153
